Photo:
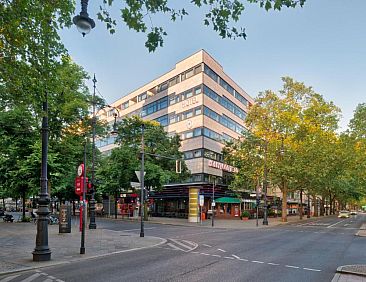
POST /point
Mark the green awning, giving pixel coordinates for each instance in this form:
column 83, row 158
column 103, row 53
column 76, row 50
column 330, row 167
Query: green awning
column 227, row 200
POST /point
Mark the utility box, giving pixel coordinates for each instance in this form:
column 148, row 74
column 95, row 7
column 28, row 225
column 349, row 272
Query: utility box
column 65, row 219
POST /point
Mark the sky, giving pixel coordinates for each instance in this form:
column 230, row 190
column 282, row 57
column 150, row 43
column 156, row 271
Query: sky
column 322, row 44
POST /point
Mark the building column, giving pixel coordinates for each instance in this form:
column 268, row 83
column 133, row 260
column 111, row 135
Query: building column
column 193, row 205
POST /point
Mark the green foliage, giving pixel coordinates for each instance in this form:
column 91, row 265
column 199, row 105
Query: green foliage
column 245, row 214
column 118, row 170
column 138, row 15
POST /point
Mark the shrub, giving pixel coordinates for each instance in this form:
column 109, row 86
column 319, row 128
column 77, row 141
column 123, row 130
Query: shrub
column 26, row 219
column 245, row 214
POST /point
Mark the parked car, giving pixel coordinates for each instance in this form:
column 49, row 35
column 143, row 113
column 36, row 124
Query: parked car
column 353, row 213
column 2, row 213
column 343, row 214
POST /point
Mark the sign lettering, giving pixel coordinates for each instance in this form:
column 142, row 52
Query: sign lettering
column 222, row 166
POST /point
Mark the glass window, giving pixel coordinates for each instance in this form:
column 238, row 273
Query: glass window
column 125, row 105
column 197, row 111
column 163, row 120
column 197, row 132
column 241, row 99
column 197, row 69
column 226, row 86
column 211, row 73
column 189, row 134
column 197, row 153
column 197, row 90
column 174, row 81
column 155, row 106
column 142, row 97
column 189, row 73
column 163, row 86
column 188, row 114
column 188, row 155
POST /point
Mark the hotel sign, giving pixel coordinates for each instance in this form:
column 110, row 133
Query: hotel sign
column 222, row 166
column 189, row 102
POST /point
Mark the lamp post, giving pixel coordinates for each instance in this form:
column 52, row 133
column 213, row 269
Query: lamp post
column 308, row 215
column 213, row 203
column 82, row 21
column 265, row 215
column 92, row 224
column 42, row 252
column 82, row 243
column 142, row 177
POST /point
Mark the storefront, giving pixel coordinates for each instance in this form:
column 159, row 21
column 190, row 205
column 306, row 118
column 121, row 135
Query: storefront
column 227, row 208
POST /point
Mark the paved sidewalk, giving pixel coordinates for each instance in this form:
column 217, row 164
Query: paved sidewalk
column 17, row 241
column 350, row 273
column 362, row 231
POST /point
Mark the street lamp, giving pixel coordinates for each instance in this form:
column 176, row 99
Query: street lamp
column 213, row 203
column 142, row 177
column 265, row 215
column 92, row 224
column 82, row 21
column 42, row 252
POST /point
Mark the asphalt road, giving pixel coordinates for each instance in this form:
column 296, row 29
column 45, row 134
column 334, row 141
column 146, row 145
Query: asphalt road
column 308, row 251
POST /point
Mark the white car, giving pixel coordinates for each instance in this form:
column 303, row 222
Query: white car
column 343, row 214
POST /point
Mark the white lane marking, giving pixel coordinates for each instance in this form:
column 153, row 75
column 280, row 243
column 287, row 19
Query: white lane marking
column 243, row 259
column 218, row 256
column 257, row 261
column 207, row 245
column 183, row 245
column 221, row 250
column 236, row 257
column 271, row 263
column 311, row 269
column 195, row 252
column 335, row 223
column 137, row 229
column 229, row 257
column 48, row 280
column 291, row 266
column 205, row 254
column 59, row 280
column 175, row 247
column 190, row 243
column 9, row 278
column 31, row 278
column 346, row 224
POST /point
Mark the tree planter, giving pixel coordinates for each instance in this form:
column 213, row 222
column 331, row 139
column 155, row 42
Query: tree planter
column 245, row 218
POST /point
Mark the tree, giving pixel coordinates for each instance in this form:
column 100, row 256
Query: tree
column 118, row 170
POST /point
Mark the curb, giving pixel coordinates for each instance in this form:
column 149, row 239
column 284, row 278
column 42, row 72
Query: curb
column 163, row 241
column 357, row 273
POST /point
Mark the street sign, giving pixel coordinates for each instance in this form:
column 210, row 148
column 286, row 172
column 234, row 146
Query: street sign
column 202, row 200
column 213, row 203
column 138, row 174
column 135, row 184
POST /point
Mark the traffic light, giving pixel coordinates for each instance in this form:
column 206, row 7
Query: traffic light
column 258, row 201
column 178, row 166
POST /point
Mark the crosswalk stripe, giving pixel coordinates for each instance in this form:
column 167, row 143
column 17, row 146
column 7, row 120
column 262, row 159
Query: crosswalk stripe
column 175, row 247
column 181, row 244
column 9, row 278
column 48, row 280
column 31, row 278
column 190, row 243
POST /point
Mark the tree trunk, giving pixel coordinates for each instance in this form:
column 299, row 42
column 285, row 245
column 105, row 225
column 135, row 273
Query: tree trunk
column 73, row 208
column 315, row 205
column 23, row 196
column 115, row 205
column 322, row 202
column 4, row 204
column 16, row 204
column 284, row 202
column 301, row 206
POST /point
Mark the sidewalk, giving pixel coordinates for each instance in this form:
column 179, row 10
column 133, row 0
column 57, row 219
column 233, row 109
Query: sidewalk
column 17, row 241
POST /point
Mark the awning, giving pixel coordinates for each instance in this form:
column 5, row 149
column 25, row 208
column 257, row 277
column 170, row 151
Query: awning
column 227, row 200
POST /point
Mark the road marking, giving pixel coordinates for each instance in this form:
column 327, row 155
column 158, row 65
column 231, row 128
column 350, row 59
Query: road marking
column 59, row 280
column 236, row 257
column 243, row 259
column 175, row 247
column 218, row 256
column 48, row 280
column 291, row 266
column 346, row 224
column 335, row 223
column 137, row 229
column 9, row 278
column 194, row 252
column 205, row 254
column 229, row 257
column 31, row 278
column 271, row 263
column 185, row 246
column 207, row 245
column 190, row 243
column 221, row 250
column 311, row 269
column 257, row 261
column 51, row 277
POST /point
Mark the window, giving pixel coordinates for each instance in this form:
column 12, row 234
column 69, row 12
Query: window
column 211, row 134
column 197, row 153
column 197, row 90
column 188, row 155
column 188, row 114
column 142, row 97
column 163, row 86
column 154, row 106
column 125, row 105
column 163, row 120
column 197, row 69
column 197, row 111
column 197, row 132
column 241, row 99
column 174, row 81
column 189, row 73
column 226, row 86
column 173, row 99
column 211, row 73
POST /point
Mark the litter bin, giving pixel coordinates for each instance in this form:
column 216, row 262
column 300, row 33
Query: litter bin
column 64, row 225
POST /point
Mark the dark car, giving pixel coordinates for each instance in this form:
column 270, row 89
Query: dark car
column 2, row 213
